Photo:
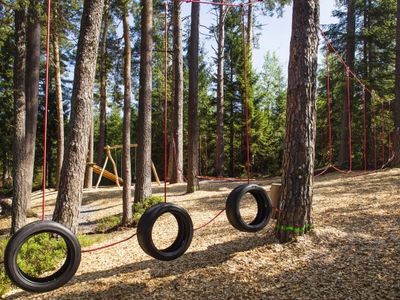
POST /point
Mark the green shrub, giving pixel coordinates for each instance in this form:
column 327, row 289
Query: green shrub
column 140, row 208
column 5, row 282
column 107, row 223
column 40, row 254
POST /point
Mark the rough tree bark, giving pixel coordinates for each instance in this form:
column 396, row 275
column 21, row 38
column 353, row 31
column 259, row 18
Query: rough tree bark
column 396, row 110
column 72, row 174
column 220, row 151
column 177, row 118
column 143, row 168
column 103, row 86
column 126, row 149
column 193, row 131
column 20, row 195
column 298, row 161
column 32, row 88
column 59, row 98
column 88, row 182
column 368, row 97
column 344, row 155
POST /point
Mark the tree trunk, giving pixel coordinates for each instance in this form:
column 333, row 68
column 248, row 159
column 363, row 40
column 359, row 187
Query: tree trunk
column 126, row 149
column 88, row 182
column 344, row 155
column 143, row 169
column 103, row 86
column 20, row 194
column 232, row 130
column 32, row 89
column 72, row 174
column 250, row 35
column 59, row 98
column 220, row 151
column 177, row 120
column 193, row 131
column 396, row 110
column 299, row 155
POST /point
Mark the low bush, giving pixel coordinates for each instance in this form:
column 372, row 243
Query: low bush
column 140, row 208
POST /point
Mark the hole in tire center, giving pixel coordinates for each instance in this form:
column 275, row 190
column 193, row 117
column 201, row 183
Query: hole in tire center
column 165, row 231
column 42, row 255
column 248, row 208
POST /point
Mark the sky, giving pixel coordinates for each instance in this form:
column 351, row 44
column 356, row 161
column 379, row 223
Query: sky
column 275, row 35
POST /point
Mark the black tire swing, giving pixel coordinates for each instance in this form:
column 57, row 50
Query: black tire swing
column 181, row 242
column 264, row 208
column 152, row 214
column 50, row 282
column 264, row 204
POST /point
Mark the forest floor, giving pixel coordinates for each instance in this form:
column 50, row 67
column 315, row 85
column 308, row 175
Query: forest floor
column 353, row 252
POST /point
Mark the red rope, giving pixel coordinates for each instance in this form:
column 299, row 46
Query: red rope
column 209, row 222
column 165, row 95
column 365, row 129
column 246, row 99
column 109, row 245
column 375, row 137
column 328, row 77
column 349, row 119
column 383, row 133
column 46, row 105
column 221, row 3
column 221, row 178
column 389, row 138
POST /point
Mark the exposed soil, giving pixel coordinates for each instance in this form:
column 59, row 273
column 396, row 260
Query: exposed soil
column 353, row 253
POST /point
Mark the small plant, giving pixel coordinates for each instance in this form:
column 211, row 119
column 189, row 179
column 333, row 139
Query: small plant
column 107, row 223
column 140, row 208
column 5, row 283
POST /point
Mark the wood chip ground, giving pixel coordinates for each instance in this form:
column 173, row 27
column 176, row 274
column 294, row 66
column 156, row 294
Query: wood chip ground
column 353, row 253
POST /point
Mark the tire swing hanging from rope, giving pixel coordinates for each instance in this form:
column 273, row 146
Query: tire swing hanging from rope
column 152, row 214
column 67, row 270
column 264, row 204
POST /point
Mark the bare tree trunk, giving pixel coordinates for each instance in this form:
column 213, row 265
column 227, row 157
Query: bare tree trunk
column 220, row 155
column 32, row 89
column 59, row 98
column 299, row 155
column 72, row 174
column 344, row 155
column 88, row 182
column 103, row 86
column 396, row 110
column 177, row 120
column 20, row 195
column 143, row 169
column 232, row 130
column 126, row 150
column 250, row 34
column 193, row 131
column 368, row 97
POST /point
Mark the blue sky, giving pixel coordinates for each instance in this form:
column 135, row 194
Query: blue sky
column 275, row 35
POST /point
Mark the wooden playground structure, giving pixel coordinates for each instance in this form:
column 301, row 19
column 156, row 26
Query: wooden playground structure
column 114, row 177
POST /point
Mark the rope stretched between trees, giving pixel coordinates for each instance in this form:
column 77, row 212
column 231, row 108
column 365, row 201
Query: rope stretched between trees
column 222, row 3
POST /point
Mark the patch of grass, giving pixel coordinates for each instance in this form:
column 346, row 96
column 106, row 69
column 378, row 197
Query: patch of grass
column 34, row 261
column 5, row 283
column 107, row 224
column 140, row 208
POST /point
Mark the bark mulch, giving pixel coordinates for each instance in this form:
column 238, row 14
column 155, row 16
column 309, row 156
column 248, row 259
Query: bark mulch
column 353, row 253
